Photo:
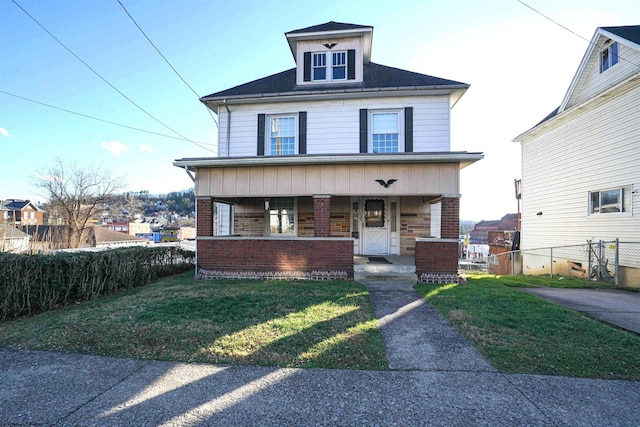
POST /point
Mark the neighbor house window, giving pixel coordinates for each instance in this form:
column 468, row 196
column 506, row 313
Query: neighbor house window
column 607, row 201
column 385, row 132
column 281, row 219
column 281, row 136
column 609, row 56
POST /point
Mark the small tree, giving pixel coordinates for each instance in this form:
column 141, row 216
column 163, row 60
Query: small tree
column 77, row 195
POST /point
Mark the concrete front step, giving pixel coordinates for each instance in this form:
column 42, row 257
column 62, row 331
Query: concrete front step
column 384, row 269
column 385, row 277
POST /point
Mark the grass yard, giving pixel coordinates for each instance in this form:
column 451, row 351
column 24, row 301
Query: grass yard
column 521, row 333
column 277, row 323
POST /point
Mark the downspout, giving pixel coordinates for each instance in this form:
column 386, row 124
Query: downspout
column 224, row 101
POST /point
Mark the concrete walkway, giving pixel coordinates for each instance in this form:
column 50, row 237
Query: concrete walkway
column 437, row 379
column 416, row 335
column 620, row 308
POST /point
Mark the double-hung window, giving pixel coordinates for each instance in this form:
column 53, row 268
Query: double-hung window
column 281, row 212
column 319, row 66
column 281, row 135
column 338, row 65
column 329, row 66
column 608, row 201
column 385, row 130
column 608, row 56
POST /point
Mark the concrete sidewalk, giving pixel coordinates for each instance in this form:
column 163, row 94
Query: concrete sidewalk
column 56, row 389
column 437, row 378
column 620, row 308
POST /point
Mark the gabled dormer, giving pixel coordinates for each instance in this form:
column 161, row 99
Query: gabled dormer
column 611, row 58
column 331, row 53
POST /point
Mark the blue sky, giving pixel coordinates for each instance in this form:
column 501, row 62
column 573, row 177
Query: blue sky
column 518, row 63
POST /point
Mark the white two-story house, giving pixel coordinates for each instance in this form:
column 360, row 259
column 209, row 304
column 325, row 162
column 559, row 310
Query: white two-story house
column 335, row 157
column 581, row 164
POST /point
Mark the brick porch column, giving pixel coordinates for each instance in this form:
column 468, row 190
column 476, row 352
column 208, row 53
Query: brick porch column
column 204, row 216
column 321, row 215
column 450, row 216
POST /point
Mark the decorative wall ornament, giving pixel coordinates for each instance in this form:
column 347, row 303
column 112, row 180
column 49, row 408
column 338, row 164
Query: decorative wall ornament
column 329, row 45
column 384, row 183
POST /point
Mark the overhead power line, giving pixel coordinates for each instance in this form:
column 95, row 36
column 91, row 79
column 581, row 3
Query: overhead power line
column 570, row 30
column 165, row 59
column 101, row 77
column 102, row 120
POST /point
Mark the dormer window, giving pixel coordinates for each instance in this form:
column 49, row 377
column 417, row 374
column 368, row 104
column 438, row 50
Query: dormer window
column 335, row 61
column 330, row 66
column 339, row 65
column 319, row 66
column 608, row 56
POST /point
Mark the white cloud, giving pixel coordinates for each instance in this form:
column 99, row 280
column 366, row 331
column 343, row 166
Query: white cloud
column 114, row 147
column 145, row 147
column 5, row 132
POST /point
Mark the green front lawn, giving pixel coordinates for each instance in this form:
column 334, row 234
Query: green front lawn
column 278, row 323
column 521, row 333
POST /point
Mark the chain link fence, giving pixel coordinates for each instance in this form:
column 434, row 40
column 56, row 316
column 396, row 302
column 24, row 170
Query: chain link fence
column 614, row 261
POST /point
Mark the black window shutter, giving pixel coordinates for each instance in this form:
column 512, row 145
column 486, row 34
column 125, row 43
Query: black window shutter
column 307, row 66
column 351, row 64
column 364, row 134
column 261, row 129
column 302, row 132
column 408, row 130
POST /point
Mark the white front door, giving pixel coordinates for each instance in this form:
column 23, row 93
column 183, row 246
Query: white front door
column 375, row 228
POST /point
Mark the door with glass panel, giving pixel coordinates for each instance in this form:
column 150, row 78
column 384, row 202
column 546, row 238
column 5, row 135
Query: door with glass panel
column 375, row 227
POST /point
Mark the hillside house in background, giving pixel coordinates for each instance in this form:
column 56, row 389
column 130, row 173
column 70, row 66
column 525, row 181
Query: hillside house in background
column 581, row 163
column 21, row 212
column 335, row 157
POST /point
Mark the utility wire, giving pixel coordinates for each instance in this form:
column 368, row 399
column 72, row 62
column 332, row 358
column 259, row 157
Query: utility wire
column 165, row 59
column 571, row 31
column 102, row 78
column 100, row 120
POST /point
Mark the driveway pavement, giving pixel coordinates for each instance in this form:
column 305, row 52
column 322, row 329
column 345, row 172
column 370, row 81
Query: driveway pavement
column 620, row 308
column 436, row 379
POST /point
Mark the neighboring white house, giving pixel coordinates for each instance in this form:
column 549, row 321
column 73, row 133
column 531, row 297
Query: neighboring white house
column 337, row 149
column 581, row 164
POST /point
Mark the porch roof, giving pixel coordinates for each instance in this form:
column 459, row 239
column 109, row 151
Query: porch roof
column 463, row 158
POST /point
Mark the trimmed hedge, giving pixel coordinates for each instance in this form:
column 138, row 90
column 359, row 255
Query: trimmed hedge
column 31, row 284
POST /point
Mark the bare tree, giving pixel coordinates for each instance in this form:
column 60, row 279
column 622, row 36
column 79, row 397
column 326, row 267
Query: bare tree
column 77, row 195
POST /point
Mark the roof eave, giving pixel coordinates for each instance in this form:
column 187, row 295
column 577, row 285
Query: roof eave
column 306, row 95
column 365, row 32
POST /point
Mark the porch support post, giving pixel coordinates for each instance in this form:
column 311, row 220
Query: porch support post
column 450, row 217
column 321, row 215
column 204, row 216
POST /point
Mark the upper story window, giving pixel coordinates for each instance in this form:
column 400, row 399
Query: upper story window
column 329, row 66
column 339, row 65
column 281, row 136
column 385, row 135
column 608, row 201
column 319, row 66
column 608, row 56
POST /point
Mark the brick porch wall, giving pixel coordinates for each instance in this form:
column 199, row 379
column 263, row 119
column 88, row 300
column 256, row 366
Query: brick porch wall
column 437, row 260
column 204, row 221
column 308, row 258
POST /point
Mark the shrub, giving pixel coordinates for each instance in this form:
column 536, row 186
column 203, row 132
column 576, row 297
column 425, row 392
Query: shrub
column 34, row 283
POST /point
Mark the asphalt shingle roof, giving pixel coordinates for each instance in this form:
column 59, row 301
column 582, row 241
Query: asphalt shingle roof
column 629, row 32
column 329, row 26
column 375, row 76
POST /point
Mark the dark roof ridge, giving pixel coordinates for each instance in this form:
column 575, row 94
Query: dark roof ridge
column 329, row 26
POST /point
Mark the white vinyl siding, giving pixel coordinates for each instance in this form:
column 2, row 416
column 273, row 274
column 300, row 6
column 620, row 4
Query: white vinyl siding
column 596, row 149
column 333, row 126
column 592, row 81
